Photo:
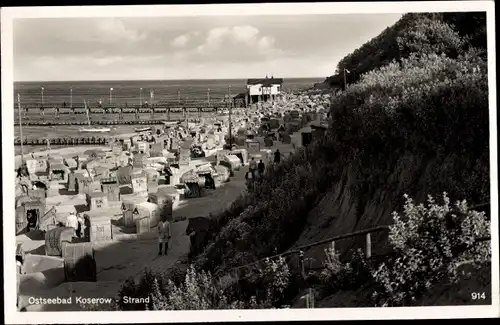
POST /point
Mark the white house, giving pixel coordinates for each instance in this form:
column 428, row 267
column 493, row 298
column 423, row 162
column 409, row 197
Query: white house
column 263, row 89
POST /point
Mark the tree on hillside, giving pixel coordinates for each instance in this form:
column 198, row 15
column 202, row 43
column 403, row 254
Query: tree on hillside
column 448, row 33
column 470, row 25
column 426, row 36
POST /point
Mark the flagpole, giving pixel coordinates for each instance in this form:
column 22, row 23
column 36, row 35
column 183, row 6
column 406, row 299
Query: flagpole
column 140, row 96
column 71, row 97
column 43, row 109
column 151, row 107
column 230, row 122
column 20, row 128
column 186, row 115
column 48, row 146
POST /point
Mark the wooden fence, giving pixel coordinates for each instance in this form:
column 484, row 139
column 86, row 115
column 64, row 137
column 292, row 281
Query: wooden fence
column 368, row 247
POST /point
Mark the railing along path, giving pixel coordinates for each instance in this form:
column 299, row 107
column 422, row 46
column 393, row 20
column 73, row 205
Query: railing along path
column 368, row 249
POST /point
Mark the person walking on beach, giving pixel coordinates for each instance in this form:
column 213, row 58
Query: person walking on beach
column 72, row 222
column 252, row 165
column 261, row 168
column 164, row 234
column 277, row 156
column 79, row 229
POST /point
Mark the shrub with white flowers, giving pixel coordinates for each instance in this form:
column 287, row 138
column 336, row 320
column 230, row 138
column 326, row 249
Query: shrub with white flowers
column 201, row 291
column 430, row 243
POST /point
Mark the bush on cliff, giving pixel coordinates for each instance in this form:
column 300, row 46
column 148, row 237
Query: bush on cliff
column 448, row 33
column 430, row 106
column 271, row 216
column 430, row 244
column 199, row 290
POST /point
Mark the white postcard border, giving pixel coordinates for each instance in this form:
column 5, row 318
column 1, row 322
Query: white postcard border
column 14, row 317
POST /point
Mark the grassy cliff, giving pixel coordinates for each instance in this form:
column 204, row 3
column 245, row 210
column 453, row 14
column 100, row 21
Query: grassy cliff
column 448, row 33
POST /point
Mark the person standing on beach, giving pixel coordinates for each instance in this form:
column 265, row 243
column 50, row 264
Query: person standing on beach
column 86, row 226
column 72, row 222
column 164, row 234
column 81, row 223
column 249, row 177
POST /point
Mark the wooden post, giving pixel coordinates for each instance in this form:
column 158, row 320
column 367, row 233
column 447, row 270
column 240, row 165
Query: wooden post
column 20, row 129
column 301, row 263
column 230, row 122
column 333, row 246
column 368, row 245
column 311, row 298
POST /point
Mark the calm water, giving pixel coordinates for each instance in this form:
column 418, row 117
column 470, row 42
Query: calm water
column 128, row 92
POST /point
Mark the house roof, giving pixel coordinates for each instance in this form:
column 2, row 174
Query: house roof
column 265, row 81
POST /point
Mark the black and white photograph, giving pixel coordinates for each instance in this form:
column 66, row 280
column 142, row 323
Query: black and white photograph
column 235, row 162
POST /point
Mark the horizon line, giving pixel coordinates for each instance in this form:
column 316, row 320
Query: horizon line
column 188, row 79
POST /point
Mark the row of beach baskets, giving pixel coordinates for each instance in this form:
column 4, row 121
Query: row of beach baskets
column 78, row 255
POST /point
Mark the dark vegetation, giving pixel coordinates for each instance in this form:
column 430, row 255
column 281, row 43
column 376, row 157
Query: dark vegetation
column 417, row 108
column 448, row 33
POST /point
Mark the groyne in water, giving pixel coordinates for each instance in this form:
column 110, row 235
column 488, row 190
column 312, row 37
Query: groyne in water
column 94, row 122
column 66, row 141
column 53, row 118
column 132, row 109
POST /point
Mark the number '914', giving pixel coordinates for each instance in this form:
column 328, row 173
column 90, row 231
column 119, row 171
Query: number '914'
column 478, row 295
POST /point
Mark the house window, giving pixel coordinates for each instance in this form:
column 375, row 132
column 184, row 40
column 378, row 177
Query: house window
column 260, row 89
column 279, row 88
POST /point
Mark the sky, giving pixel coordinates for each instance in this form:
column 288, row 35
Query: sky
column 160, row 48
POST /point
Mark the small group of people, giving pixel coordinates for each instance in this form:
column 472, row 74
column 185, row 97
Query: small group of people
column 256, row 170
column 80, row 224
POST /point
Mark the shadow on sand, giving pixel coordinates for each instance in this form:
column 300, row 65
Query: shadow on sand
column 118, row 260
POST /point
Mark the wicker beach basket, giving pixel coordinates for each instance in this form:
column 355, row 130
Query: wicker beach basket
column 79, row 262
column 55, row 238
